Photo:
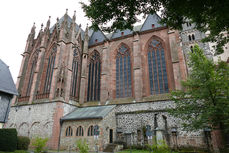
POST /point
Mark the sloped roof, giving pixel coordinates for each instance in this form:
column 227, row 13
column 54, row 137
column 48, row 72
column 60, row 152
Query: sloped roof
column 96, row 37
column 69, row 21
column 6, row 81
column 151, row 19
column 98, row 112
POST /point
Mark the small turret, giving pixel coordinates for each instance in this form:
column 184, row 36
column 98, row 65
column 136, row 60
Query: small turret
column 32, row 33
column 85, row 46
column 48, row 23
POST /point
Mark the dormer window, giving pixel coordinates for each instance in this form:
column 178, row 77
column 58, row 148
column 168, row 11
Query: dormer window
column 153, row 25
column 122, row 33
column 96, row 40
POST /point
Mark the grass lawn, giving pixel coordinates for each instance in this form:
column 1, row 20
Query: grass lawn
column 134, row 151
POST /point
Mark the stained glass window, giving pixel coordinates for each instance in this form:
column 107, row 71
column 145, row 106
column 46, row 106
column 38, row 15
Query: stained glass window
column 157, row 68
column 123, row 73
column 49, row 71
column 75, row 74
column 32, row 70
column 93, row 91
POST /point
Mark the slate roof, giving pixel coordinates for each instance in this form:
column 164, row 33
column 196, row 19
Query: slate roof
column 98, row 112
column 98, row 36
column 6, row 81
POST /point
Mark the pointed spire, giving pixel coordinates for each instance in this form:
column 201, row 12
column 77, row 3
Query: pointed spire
column 74, row 16
column 33, row 28
column 85, row 48
column 42, row 25
column 48, row 23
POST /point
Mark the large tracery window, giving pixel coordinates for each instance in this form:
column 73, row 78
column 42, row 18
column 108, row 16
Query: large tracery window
column 123, row 73
column 157, row 68
column 32, row 70
column 93, row 90
column 75, row 74
column 49, row 71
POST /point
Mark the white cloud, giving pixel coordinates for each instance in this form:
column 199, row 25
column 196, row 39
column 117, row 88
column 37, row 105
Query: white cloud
column 17, row 17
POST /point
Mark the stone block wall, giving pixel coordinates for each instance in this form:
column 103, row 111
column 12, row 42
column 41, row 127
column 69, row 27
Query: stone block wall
column 105, row 124
column 39, row 120
column 132, row 119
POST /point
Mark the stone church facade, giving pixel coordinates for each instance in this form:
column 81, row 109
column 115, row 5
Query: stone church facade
column 66, row 70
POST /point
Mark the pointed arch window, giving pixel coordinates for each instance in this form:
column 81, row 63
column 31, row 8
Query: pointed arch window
column 90, row 131
column 93, row 90
column 123, row 73
column 32, row 70
column 79, row 131
column 49, row 71
column 157, row 68
column 75, row 74
column 68, row 131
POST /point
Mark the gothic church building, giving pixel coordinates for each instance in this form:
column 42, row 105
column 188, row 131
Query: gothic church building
column 73, row 79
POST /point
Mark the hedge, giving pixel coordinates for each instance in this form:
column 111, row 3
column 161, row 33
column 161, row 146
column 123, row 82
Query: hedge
column 23, row 143
column 8, row 140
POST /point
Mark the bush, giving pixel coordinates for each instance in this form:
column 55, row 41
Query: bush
column 161, row 147
column 20, row 151
column 39, row 144
column 82, row 146
column 8, row 139
column 23, row 143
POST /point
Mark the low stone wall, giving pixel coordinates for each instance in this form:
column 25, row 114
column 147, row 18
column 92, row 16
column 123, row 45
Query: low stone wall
column 132, row 119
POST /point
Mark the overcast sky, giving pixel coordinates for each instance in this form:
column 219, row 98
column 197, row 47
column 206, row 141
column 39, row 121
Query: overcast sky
column 17, row 17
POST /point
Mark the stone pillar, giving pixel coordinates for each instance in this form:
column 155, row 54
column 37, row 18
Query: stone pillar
column 137, row 70
column 83, row 78
column 69, row 50
column 104, row 89
column 84, row 68
column 178, row 62
column 20, row 79
column 56, row 69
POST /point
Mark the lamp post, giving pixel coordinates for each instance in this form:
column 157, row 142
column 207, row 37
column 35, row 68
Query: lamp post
column 207, row 135
column 174, row 134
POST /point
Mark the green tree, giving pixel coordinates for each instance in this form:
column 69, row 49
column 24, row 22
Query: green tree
column 204, row 101
column 208, row 15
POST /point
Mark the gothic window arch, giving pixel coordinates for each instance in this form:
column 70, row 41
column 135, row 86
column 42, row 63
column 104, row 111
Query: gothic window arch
column 93, row 90
column 157, row 68
column 79, row 131
column 68, row 131
column 90, row 131
column 76, row 62
column 123, row 73
column 49, row 70
column 32, row 70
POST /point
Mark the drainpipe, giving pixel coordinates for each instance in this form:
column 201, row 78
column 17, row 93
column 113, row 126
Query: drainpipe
column 61, row 122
